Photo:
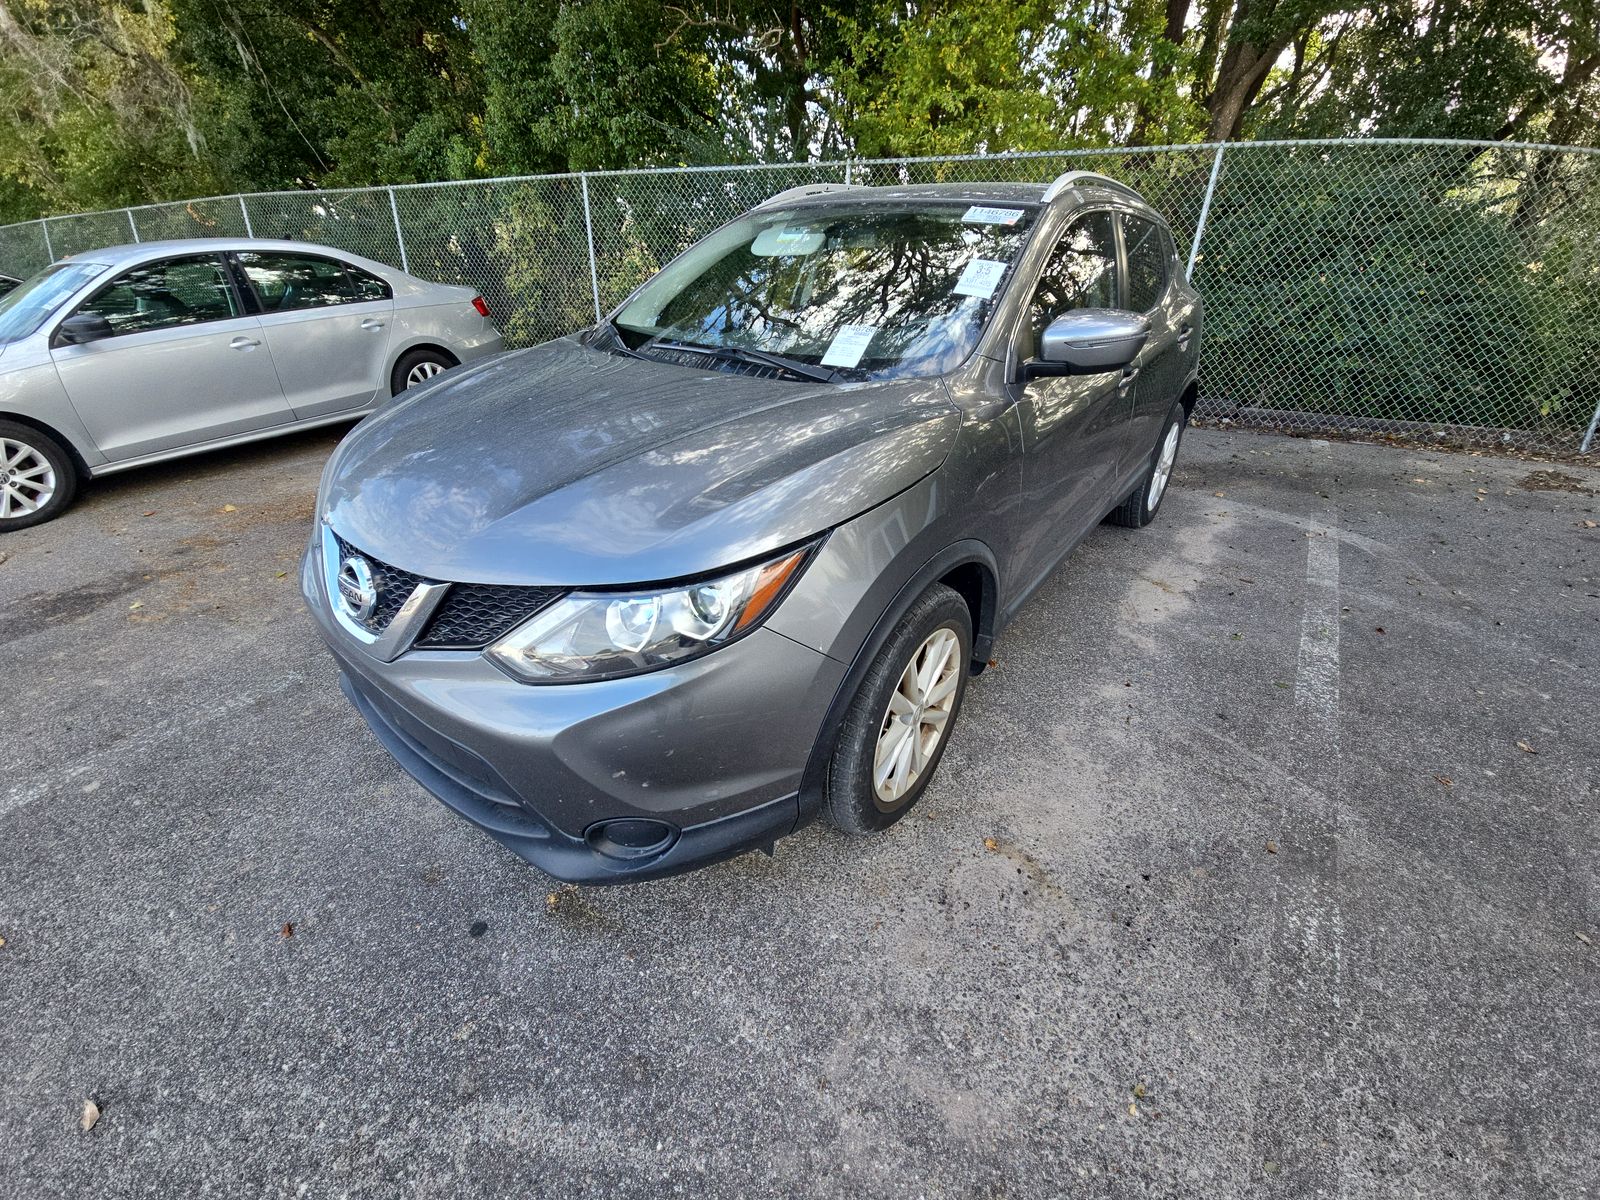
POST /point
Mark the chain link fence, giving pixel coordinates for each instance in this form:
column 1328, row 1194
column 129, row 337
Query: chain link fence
column 1426, row 290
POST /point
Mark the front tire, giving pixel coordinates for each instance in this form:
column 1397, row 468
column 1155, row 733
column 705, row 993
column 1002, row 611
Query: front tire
column 38, row 478
column 900, row 720
column 1141, row 506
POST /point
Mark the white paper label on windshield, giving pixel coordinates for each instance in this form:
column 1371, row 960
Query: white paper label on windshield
column 980, row 214
column 848, row 345
column 980, row 278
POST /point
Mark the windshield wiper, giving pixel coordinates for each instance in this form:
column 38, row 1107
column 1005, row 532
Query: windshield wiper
column 760, row 357
column 619, row 343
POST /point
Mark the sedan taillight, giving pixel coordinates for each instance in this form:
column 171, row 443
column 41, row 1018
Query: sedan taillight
column 479, row 303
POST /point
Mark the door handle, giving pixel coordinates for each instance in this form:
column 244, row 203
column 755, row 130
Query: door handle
column 1128, row 375
column 371, row 324
column 243, row 343
column 1183, row 336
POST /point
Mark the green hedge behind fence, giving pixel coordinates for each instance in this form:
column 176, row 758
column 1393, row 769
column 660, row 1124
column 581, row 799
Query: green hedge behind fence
column 1390, row 285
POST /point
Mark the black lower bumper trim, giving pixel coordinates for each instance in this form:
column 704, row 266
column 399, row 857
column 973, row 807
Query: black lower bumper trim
column 558, row 854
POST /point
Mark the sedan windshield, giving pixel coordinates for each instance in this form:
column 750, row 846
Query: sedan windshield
column 31, row 302
column 887, row 290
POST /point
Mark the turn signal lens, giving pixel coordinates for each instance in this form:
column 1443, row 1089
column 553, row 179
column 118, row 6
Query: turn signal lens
column 602, row 635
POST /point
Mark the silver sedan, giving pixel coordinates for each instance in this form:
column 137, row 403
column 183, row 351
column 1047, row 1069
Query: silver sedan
column 120, row 357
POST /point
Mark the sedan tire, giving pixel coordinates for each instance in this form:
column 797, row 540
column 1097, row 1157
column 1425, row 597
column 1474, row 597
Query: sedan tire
column 1140, row 508
column 418, row 366
column 38, row 478
column 900, row 720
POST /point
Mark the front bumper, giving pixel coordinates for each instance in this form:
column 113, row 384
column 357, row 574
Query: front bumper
column 711, row 750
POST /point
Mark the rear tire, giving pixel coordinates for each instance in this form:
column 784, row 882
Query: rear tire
column 1142, row 504
column 418, row 367
column 38, row 477
column 900, row 720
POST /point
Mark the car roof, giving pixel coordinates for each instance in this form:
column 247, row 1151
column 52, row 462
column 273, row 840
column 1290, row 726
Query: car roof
column 1080, row 185
column 131, row 252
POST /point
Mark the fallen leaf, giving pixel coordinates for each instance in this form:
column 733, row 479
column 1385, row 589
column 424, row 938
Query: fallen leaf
column 1138, row 1090
column 281, row 574
column 230, row 508
column 1272, row 846
column 1483, row 491
column 1587, row 524
column 1219, row 494
column 993, row 663
column 990, row 845
column 1446, row 780
column 287, row 930
column 1525, row 748
column 552, row 901
column 1133, row 1110
column 1584, row 938
column 91, row 1114
column 151, row 513
column 137, row 604
column 1378, row 628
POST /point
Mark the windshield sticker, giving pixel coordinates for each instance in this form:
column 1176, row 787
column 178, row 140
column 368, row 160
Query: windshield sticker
column 980, row 214
column 848, row 345
column 980, row 278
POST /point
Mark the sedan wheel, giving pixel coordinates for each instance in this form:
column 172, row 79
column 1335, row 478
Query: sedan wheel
column 423, row 372
column 27, row 480
column 899, row 721
column 38, row 477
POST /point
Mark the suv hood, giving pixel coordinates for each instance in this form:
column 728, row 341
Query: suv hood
column 570, row 466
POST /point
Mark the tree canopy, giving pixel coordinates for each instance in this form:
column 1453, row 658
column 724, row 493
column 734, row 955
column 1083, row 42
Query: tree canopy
column 109, row 102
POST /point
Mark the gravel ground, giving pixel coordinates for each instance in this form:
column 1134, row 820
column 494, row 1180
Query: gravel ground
column 1264, row 863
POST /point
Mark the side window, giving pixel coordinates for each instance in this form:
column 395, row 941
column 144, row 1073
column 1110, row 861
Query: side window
column 287, row 282
column 1147, row 263
column 1081, row 273
column 368, row 287
column 166, row 295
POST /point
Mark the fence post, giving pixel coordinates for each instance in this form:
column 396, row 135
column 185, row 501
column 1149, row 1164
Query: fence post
column 44, row 225
column 132, row 224
column 1594, row 423
column 588, row 226
column 399, row 234
column 847, row 178
column 244, row 211
column 1205, row 211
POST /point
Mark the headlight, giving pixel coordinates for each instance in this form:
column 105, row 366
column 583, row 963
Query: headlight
column 601, row 635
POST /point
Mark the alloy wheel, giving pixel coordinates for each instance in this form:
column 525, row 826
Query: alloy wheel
column 422, row 372
column 918, row 714
column 1163, row 471
column 27, row 480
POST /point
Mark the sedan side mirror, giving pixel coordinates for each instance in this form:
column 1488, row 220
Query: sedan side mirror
column 82, row 327
column 1088, row 341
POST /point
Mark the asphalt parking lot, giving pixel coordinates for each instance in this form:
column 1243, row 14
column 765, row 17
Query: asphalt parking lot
column 1263, row 863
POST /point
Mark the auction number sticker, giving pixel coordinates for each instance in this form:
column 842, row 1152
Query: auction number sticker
column 980, row 214
column 980, row 278
column 848, row 345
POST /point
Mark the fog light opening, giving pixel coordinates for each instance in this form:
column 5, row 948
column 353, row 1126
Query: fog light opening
column 630, row 837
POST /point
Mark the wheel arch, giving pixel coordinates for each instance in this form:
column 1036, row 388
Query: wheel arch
column 410, row 347
column 969, row 569
column 55, row 435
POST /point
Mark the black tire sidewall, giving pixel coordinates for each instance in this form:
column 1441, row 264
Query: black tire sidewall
column 408, row 360
column 852, row 805
column 61, row 461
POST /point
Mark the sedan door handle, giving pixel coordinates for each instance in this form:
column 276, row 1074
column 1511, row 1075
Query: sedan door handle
column 372, row 324
column 243, row 343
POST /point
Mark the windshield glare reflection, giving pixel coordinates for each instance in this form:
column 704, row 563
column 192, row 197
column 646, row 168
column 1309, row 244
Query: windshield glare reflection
column 30, row 303
column 890, row 290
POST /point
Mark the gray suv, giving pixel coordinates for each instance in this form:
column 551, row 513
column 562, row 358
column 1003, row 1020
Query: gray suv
column 654, row 594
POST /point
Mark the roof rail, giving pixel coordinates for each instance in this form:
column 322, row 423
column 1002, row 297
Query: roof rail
column 810, row 189
column 1074, row 178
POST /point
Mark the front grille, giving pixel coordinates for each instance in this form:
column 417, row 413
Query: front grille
column 474, row 614
column 394, row 587
column 471, row 615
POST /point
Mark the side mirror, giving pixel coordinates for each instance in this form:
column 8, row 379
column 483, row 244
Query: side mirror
column 82, row 327
column 1088, row 341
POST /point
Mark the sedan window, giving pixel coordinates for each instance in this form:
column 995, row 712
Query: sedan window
column 166, row 295
column 286, row 282
column 1081, row 273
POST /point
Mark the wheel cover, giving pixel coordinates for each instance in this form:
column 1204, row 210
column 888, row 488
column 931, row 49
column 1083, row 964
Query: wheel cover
column 422, row 372
column 27, row 480
column 1164, row 461
column 918, row 714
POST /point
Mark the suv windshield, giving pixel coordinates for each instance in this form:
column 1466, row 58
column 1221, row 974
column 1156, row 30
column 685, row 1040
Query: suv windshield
column 27, row 306
column 889, row 289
